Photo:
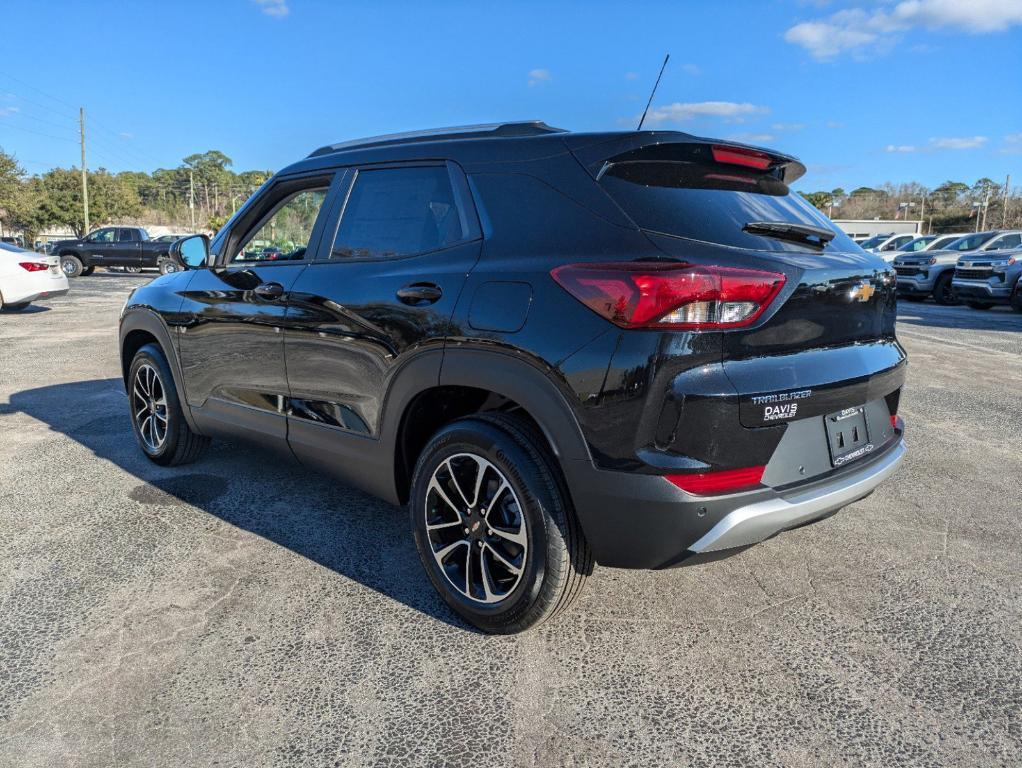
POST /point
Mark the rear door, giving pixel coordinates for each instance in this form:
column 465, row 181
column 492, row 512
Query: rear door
column 125, row 250
column 383, row 289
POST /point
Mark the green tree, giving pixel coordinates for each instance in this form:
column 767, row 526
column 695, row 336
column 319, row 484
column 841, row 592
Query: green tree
column 109, row 198
column 10, row 187
column 821, row 200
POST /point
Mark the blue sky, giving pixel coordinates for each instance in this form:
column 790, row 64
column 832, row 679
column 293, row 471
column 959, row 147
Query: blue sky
column 862, row 92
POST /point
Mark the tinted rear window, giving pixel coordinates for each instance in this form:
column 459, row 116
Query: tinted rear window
column 711, row 203
column 398, row 212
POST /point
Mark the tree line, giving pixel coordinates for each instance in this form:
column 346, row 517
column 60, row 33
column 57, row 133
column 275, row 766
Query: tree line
column 953, row 206
column 203, row 188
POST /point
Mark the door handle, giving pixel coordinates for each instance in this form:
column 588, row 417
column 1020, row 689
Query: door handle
column 269, row 291
column 418, row 294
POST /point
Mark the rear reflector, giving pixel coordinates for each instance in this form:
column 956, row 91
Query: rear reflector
column 724, row 481
column 669, row 296
column 33, row 266
column 750, row 158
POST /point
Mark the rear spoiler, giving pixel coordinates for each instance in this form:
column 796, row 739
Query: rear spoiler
column 640, row 146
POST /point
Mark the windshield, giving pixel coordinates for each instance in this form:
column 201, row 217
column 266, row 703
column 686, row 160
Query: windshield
column 942, row 242
column 874, row 241
column 916, row 245
column 711, row 203
column 970, row 242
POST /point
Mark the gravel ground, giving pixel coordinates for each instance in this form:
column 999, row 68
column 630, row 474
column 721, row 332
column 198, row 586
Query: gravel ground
column 241, row 611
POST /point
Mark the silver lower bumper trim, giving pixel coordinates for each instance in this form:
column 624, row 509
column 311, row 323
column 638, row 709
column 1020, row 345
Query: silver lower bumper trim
column 756, row 522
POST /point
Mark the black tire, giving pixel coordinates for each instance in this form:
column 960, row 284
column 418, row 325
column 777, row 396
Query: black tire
column 1016, row 298
column 943, row 292
column 979, row 304
column 180, row 445
column 914, row 297
column 167, row 266
column 557, row 559
column 88, row 271
column 71, row 265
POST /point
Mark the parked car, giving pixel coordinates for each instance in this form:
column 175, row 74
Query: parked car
column 887, row 246
column 167, row 238
column 982, row 280
column 130, row 248
column 931, row 272
column 638, row 348
column 26, row 276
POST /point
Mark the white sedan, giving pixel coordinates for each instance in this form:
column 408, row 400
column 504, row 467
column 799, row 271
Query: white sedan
column 26, row 276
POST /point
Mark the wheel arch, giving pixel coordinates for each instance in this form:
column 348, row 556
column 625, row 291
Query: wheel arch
column 140, row 327
column 476, row 381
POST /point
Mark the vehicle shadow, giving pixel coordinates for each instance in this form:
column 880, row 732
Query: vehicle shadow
column 935, row 316
column 31, row 309
column 352, row 534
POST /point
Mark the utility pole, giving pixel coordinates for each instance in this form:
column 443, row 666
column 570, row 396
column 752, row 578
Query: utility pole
column 986, row 204
column 1004, row 208
column 191, row 197
column 85, row 177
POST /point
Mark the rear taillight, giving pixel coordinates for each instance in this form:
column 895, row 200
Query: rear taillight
column 723, row 481
column 671, row 296
column 750, row 158
column 33, row 266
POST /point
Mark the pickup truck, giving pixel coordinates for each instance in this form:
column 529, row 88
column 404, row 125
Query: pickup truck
column 129, row 247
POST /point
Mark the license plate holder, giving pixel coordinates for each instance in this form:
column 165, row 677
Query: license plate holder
column 847, row 435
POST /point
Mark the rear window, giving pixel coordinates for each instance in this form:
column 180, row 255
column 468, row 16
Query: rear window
column 398, row 212
column 711, row 203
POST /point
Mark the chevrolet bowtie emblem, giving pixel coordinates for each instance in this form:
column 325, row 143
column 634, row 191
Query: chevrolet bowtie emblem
column 862, row 291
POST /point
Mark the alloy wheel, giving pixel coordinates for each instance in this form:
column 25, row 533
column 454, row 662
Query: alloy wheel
column 149, row 407
column 476, row 528
column 69, row 267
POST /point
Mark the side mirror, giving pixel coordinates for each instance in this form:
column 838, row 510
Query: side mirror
column 192, row 252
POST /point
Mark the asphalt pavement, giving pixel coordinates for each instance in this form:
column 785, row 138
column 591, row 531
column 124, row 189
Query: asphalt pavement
column 242, row 611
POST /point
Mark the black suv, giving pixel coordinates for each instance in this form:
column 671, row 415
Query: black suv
column 636, row 348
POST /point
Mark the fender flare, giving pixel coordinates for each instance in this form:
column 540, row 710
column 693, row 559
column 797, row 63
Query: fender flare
column 144, row 319
column 519, row 380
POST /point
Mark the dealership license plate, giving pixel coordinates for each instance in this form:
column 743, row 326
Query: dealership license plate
column 847, row 435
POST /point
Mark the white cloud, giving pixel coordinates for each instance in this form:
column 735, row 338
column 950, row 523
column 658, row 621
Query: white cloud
column 1012, row 144
column 680, row 112
column 691, row 69
column 8, row 111
column 753, row 138
column 834, row 124
column 788, row 126
column 126, row 136
column 969, row 142
column 276, row 8
column 857, row 29
column 631, row 75
column 537, row 76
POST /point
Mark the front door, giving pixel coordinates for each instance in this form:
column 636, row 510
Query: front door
column 384, row 290
column 96, row 248
column 233, row 315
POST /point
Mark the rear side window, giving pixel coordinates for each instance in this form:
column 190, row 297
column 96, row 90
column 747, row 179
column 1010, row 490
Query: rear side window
column 711, row 203
column 394, row 212
column 126, row 235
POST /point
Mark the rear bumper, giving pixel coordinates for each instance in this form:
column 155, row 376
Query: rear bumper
column 643, row 521
column 759, row 521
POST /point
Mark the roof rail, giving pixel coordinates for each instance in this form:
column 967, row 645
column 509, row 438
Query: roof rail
column 484, row 131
